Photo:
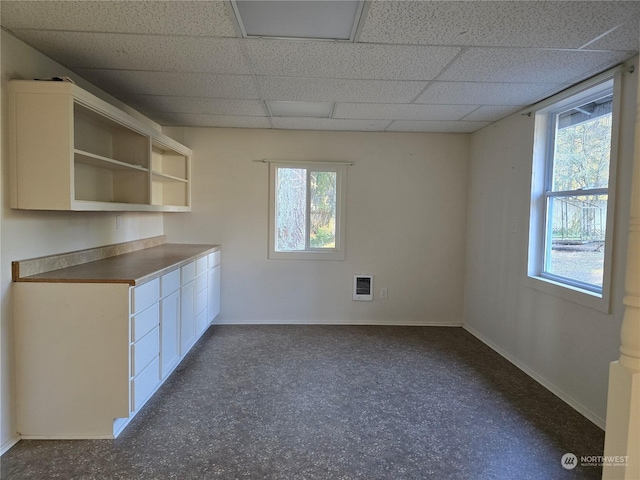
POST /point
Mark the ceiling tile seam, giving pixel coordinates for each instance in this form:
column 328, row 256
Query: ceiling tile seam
column 388, row 125
column 233, row 19
column 256, row 83
column 481, row 82
column 444, row 69
column 162, row 112
column 362, row 18
column 133, row 34
column 200, row 72
column 601, row 36
column 473, row 111
column 303, row 77
column 492, row 47
column 342, row 102
column 192, row 96
column 444, row 121
column 242, row 40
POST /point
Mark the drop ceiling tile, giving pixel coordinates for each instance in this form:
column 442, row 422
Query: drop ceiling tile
column 435, row 126
column 329, row 124
column 401, row 112
column 348, row 60
column 198, row 105
column 528, row 65
column 625, row 37
column 139, row 52
column 492, row 113
column 482, row 93
column 171, row 18
column 337, row 90
column 230, row 121
column 171, row 83
column 554, row 24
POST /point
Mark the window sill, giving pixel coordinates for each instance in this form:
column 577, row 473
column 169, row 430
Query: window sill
column 595, row 301
column 306, row 255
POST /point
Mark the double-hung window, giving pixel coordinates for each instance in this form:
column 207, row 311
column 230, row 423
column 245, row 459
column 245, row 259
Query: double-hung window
column 573, row 177
column 307, row 211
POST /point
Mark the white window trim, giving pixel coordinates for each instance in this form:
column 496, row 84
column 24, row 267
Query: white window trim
column 594, row 300
column 337, row 253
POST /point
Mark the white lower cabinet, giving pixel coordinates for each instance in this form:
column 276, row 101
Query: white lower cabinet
column 90, row 355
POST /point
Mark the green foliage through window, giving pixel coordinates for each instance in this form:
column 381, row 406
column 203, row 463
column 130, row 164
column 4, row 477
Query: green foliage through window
column 293, row 185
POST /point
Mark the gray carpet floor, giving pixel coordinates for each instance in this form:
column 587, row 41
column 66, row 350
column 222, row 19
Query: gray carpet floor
column 333, row 402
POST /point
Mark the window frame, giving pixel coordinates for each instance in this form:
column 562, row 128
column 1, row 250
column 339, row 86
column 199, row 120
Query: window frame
column 310, row 253
column 542, row 189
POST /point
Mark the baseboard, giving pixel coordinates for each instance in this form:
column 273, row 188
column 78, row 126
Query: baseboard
column 8, row 444
column 572, row 402
column 398, row 323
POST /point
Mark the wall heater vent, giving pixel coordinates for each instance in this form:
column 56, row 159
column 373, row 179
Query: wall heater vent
column 363, row 287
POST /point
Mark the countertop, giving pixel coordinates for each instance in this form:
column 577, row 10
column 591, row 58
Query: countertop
column 133, row 268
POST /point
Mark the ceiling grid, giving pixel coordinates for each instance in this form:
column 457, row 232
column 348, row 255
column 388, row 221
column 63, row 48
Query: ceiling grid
column 414, row 66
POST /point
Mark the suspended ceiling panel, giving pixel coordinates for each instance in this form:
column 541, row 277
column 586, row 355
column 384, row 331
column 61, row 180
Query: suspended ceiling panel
column 339, row 90
column 412, row 66
column 539, row 24
column 376, row 111
column 172, row 83
column 200, row 18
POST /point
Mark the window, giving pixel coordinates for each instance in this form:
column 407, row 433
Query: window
column 572, row 193
column 307, row 211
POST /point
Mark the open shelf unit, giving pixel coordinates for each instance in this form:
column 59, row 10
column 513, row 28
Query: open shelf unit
column 70, row 150
column 169, row 176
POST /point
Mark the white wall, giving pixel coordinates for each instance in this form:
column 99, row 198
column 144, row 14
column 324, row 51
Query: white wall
column 566, row 346
column 406, row 215
column 27, row 234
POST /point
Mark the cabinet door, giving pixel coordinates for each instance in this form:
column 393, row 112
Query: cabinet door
column 169, row 332
column 188, row 316
column 214, row 292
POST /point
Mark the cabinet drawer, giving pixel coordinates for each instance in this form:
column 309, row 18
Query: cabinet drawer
column 145, row 383
column 145, row 350
column 201, row 283
column 170, row 282
column 201, row 265
column 214, row 259
column 144, row 322
column 201, row 301
column 201, row 322
column 188, row 273
column 145, row 295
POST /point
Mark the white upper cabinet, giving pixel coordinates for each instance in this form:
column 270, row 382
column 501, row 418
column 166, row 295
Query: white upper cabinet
column 70, row 150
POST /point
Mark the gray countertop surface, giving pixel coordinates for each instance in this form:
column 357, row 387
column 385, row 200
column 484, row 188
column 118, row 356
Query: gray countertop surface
column 133, row 268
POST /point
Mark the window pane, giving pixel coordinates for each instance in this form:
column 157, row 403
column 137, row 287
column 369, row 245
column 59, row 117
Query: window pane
column 322, row 224
column 577, row 228
column 582, row 146
column 291, row 212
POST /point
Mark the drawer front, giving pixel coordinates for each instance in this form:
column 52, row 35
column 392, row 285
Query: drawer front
column 170, row 282
column 202, row 265
column 214, row 259
column 145, row 350
column 145, row 295
column 145, row 383
column 201, row 283
column 201, row 301
column 188, row 273
column 201, row 322
column 144, row 322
